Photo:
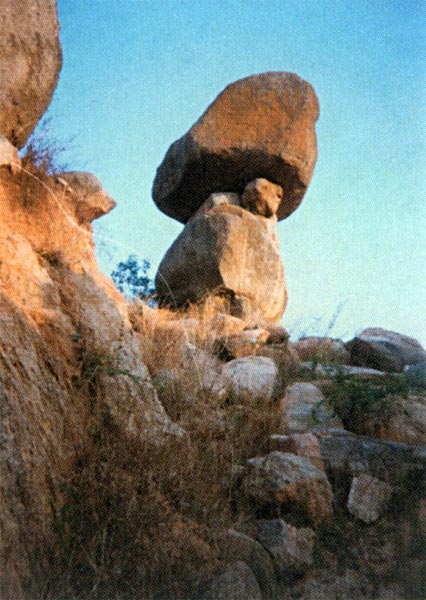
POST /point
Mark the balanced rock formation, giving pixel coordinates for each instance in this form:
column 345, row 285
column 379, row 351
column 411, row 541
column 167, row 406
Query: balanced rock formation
column 31, row 59
column 262, row 126
column 245, row 164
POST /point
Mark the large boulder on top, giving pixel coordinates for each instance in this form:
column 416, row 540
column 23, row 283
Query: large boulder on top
column 31, row 59
column 262, row 126
column 227, row 251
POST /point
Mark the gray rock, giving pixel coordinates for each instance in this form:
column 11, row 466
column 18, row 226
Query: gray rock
column 236, row 546
column 31, row 59
column 385, row 350
column 350, row 454
column 237, row 582
column 226, row 251
column 251, row 379
column 290, row 482
column 290, row 547
column 260, row 126
column 304, row 409
column 368, row 497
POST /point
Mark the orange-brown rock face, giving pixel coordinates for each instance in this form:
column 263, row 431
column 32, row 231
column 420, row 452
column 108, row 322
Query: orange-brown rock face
column 61, row 321
column 30, row 61
column 262, row 126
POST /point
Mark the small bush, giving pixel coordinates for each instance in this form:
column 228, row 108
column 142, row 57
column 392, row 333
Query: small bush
column 132, row 279
column 355, row 399
column 43, row 152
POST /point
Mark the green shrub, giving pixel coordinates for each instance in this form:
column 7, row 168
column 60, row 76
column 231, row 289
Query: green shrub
column 355, row 398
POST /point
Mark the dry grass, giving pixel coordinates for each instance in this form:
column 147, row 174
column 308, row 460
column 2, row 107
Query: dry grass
column 140, row 520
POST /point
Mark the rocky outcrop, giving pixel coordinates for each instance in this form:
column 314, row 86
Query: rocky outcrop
column 67, row 355
column 385, row 350
column 262, row 126
column 31, row 59
column 226, row 251
column 90, row 199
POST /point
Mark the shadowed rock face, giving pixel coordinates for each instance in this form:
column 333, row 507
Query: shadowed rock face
column 262, row 126
column 31, row 59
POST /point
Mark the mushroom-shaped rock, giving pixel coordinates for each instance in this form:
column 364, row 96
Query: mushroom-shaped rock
column 31, row 59
column 262, row 126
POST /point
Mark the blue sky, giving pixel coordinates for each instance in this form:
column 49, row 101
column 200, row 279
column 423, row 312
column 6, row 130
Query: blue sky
column 138, row 73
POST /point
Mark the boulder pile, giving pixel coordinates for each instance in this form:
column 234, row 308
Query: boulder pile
column 245, row 164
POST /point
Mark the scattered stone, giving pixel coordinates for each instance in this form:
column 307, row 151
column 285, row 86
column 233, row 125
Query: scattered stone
column 350, row 454
column 416, row 374
column 304, row 409
column 31, row 59
column 290, row 482
column 237, row 582
column 217, row 199
column 241, row 343
column 228, row 251
column 290, row 547
column 250, row 379
column 301, row 444
column 261, row 197
column 385, row 350
column 9, row 156
column 236, row 546
column 90, row 199
column 368, row 497
column 260, row 126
